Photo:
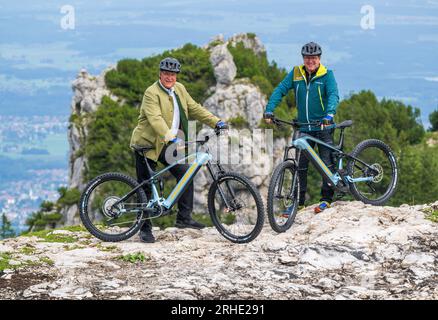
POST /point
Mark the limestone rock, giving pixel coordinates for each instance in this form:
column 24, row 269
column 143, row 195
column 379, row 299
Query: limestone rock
column 347, row 253
column 223, row 64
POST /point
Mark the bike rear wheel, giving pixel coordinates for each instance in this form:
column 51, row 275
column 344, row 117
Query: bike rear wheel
column 100, row 213
column 236, row 207
column 380, row 165
column 283, row 196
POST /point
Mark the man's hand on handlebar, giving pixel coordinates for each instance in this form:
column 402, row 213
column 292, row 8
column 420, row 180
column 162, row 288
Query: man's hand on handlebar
column 268, row 116
column 179, row 143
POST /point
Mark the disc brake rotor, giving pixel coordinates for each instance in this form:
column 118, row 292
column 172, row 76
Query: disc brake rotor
column 377, row 178
column 108, row 208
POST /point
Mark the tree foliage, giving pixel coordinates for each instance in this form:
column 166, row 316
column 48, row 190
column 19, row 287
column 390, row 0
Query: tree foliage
column 266, row 76
column 107, row 146
column 131, row 77
column 6, row 230
column 433, row 118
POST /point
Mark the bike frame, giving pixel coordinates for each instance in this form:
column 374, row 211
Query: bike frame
column 303, row 145
column 201, row 158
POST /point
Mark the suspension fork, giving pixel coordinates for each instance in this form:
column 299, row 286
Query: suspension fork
column 214, row 176
column 286, row 158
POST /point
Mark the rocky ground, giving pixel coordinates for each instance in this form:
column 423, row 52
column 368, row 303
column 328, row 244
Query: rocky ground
column 351, row 251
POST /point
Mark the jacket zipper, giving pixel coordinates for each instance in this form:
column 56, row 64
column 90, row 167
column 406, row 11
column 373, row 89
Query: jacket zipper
column 307, row 103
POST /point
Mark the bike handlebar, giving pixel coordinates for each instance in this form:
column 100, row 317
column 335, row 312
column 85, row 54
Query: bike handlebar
column 217, row 132
column 295, row 123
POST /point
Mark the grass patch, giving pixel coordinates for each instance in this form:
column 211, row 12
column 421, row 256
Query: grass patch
column 431, row 214
column 48, row 236
column 134, row 257
column 107, row 248
column 27, row 250
column 78, row 228
column 47, row 260
column 4, row 261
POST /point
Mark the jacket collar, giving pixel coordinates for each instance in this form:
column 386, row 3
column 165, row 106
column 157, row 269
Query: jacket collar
column 168, row 91
column 322, row 70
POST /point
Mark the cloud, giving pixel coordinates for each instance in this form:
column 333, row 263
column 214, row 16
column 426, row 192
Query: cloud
column 428, row 37
column 30, row 86
column 434, row 79
column 57, row 55
column 406, row 20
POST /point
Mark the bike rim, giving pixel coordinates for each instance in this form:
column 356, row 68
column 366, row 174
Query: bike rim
column 107, row 214
column 381, row 169
column 235, row 209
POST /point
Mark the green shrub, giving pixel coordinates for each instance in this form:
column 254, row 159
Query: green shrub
column 238, row 122
column 68, row 196
column 132, row 77
column 133, row 257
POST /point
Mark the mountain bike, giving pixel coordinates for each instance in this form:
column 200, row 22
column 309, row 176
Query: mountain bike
column 113, row 206
column 370, row 174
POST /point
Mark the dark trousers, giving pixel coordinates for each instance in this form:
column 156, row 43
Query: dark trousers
column 185, row 202
column 326, row 156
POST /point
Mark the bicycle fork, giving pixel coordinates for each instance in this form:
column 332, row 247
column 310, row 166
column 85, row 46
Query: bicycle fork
column 295, row 175
column 214, row 176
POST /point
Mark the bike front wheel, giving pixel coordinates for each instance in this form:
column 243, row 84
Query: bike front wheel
column 104, row 214
column 236, row 207
column 375, row 162
column 283, row 196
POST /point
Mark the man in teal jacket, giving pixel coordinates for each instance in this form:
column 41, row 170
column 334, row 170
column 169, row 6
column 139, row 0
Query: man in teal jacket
column 316, row 97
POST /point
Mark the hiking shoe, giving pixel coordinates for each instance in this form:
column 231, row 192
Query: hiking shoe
column 322, row 206
column 146, row 236
column 188, row 223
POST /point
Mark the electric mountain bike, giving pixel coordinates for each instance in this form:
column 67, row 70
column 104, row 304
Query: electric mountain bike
column 370, row 174
column 113, row 206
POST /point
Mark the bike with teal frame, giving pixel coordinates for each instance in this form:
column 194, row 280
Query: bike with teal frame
column 370, row 174
column 113, row 206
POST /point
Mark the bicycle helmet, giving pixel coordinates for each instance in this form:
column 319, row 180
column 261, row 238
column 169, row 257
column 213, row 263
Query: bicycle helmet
column 170, row 64
column 311, row 49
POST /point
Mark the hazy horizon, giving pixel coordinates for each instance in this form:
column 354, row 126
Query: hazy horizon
column 39, row 59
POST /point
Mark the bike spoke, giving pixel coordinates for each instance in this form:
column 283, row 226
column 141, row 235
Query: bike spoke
column 235, row 210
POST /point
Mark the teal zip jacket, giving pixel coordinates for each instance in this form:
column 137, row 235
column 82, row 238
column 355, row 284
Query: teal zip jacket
column 314, row 100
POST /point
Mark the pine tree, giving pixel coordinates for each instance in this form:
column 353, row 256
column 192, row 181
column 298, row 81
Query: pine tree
column 6, row 230
column 433, row 118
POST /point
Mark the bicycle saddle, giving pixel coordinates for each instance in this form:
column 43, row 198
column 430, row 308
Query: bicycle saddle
column 345, row 124
column 142, row 149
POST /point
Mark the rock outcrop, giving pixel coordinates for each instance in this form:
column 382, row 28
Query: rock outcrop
column 350, row 251
column 230, row 98
column 233, row 99
column 88, row 92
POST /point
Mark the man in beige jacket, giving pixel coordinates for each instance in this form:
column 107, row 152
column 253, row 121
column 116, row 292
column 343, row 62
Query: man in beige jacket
column 165, row 109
